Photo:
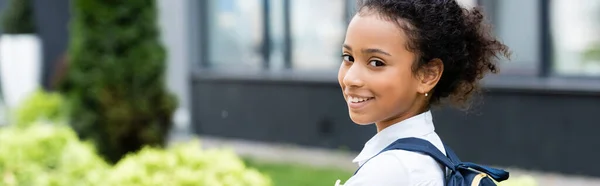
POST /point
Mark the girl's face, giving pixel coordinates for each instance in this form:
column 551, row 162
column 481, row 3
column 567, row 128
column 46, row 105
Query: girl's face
column 376, row 76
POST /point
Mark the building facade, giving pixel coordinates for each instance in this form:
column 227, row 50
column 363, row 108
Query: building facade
column 266, row 70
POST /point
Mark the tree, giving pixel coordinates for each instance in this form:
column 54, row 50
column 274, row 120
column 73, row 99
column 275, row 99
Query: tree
column 115, row 81
column 18, row 17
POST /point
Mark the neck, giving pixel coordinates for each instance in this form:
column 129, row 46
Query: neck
column 398, row 118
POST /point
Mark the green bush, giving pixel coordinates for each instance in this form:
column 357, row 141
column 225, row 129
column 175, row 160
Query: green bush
column 185, row 164
column 47, row 154
column 115, row 82
column 18, row 17
column 41, row 105
column 519, row 181
column 52, row 155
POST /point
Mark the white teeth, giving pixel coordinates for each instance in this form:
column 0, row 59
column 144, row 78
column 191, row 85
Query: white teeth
column 356, row 99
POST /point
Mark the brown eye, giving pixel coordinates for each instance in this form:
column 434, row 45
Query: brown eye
column 347, row 58
column 376, row 63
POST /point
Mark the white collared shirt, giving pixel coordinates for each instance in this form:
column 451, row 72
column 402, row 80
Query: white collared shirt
column 399, row 167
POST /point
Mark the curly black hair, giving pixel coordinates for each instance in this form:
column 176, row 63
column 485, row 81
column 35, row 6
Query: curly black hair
column 442, row 29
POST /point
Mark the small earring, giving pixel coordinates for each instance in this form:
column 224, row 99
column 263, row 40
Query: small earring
column 426, row 94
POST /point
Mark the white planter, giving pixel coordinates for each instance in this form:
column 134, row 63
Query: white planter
column 20, row 66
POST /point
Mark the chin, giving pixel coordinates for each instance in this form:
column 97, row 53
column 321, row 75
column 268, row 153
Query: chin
column 361, row 120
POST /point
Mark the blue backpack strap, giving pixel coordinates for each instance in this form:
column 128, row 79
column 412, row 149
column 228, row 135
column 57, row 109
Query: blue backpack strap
column 450, row 160
column 417, row 145
column 450, row 153
column 496, row 174
column 422, row 146
column 455, row 163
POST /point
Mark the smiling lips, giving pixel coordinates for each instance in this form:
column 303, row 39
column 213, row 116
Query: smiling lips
column 358, row 102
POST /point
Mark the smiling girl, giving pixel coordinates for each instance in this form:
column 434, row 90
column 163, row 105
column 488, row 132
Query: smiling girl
column 400, row 57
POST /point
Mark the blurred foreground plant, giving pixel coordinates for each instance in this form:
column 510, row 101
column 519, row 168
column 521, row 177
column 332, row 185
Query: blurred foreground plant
column 115, row 80
column 519, row 181
column 41, row 106
column 185, row 164
column 42, row 150
column 47, row 154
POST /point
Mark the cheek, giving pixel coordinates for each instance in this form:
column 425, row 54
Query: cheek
column 341, row 75
column 394, row 83
column 398, row 91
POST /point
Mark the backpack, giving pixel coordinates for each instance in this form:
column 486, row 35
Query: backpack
column 460, row 173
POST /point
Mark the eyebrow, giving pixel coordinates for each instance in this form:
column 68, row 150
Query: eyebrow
column 369, row 50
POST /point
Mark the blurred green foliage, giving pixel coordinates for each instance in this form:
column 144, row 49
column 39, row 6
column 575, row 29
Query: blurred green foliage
column 289, row 174
column 41, row 105
column 18, row 17
column 592, row 53
column 519, row 181
column 185, row 164
column 115, row 82
column 47, row 154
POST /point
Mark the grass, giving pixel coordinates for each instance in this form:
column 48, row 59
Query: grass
column 284, row 174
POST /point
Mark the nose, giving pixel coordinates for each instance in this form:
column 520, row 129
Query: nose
column 353, row 77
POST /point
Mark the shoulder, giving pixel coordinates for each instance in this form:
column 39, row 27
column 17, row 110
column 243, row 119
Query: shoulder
column 384, row 169
column 399, row 167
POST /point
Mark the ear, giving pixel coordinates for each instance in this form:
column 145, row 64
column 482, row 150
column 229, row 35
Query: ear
column 429, row 75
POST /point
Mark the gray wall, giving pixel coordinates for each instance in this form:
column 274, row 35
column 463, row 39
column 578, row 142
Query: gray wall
column 531, row 126
column 51, row 19
column 175, row 20
column 518, row 24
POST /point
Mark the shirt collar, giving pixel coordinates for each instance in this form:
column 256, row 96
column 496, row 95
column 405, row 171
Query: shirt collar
column 416, row 126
